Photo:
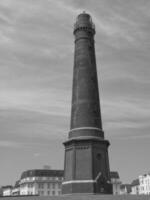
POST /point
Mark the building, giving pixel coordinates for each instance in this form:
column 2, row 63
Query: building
column 135, row 186
column 125, row 189
column 7, row 190
column 116, row 183
column 16, row 189
column 144, row 184
column 41, row 182
column 86, row 150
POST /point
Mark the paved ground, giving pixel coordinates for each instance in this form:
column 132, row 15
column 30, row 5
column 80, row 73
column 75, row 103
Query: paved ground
column 82, row 197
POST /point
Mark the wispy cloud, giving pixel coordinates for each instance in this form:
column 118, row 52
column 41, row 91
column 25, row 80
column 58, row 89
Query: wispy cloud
column 36, row 72
column 36, row 67
column 9, row 144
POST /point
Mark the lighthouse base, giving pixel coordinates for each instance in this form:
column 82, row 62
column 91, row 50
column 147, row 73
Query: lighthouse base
column 86, row 167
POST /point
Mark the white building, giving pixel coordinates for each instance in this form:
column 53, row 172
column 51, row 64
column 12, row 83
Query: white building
column 144, row 184
column 41, row 182
column 7, row 190
column 115, row 180
column 135, row 187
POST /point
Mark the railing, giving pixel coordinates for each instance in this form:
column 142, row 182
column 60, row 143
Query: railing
column 88, row 25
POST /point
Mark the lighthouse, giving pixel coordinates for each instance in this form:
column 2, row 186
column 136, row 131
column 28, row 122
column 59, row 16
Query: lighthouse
column 86, row 165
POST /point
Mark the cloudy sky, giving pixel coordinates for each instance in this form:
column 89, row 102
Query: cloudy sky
column 36, row 67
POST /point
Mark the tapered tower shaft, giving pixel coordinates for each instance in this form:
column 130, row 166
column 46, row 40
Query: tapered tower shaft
column 85, row 114
column 85, row 98
column 86, row 150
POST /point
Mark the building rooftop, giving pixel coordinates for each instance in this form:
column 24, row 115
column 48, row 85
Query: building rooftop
column 144, row 175
column 42, row 172
column 135, row 182
column 7, row 186
column 16, row 184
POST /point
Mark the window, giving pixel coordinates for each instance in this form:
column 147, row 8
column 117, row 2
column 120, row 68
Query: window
column 48, row 192
column 53, row 192
column 41, row 185
column 53, row 185
column 48, row 185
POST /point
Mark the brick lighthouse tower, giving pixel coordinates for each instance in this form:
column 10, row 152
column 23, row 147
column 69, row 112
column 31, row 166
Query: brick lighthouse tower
column 86, row 167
